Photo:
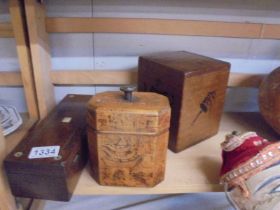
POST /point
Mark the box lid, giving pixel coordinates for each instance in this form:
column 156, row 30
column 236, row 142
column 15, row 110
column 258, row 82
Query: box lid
column 187, row 63
column 145, row 113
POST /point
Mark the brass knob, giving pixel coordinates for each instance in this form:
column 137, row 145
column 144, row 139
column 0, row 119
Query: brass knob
column 128, row 90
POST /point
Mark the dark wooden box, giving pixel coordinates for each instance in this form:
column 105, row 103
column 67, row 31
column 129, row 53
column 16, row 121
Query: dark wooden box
column 51, row 178
column 196, row 87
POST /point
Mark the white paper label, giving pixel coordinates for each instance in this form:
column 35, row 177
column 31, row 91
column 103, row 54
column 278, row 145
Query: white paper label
column 44, row 152
column 66, row 119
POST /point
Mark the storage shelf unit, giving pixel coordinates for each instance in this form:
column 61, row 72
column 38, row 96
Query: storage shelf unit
column 193, row 170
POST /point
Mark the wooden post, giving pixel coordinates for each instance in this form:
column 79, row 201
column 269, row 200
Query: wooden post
column 6, row 30
column 21, row 36
column 7, row 201
column 41, row 59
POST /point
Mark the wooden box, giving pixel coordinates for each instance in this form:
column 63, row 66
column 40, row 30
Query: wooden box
column 269, row 99
column 196, row 87
column 128, row 139
column 47, row 162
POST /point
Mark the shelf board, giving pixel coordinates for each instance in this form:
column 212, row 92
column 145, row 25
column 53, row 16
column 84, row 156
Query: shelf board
column 195, row 169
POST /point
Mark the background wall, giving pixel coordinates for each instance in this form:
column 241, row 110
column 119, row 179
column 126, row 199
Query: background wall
column 101, row 52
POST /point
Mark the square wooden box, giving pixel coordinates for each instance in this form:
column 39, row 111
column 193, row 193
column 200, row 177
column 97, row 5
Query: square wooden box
column 51, row 178
column 196, row 87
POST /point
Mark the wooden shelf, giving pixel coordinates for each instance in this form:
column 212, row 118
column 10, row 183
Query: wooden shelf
column 196, row 169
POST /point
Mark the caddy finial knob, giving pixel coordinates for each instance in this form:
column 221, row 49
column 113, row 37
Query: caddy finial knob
column 128, row 90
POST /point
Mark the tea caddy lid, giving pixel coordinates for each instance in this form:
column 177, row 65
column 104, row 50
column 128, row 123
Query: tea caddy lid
column 135, row 112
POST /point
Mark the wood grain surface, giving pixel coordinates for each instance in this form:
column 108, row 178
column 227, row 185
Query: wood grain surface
column 153, row 26
column 51, row 178
column 16, row 9
column 128, row 140
column 163, row 26
column 6, row 30
column 40, row 55
column 7, row 199
column 269, row 99
column 195, row 86
column 121, row 77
